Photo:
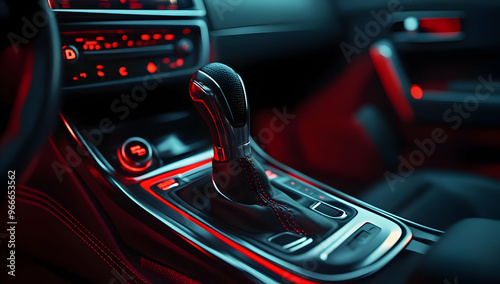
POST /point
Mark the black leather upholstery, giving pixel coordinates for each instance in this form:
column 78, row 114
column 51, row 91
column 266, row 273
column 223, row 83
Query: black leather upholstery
column 469, row 252
column 437, row 198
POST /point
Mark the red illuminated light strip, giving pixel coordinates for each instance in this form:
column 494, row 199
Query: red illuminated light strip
column 255, row 257
column 451, row 26
column 152, row 181
column 69, row 128
column 392, row 84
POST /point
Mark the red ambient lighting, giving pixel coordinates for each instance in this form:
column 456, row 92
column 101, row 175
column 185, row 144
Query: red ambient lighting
column 135, row 6
column 130, row 168
column 392, row 84
column 152, row 181
column 138, row 150
column 91, row 45
column 271, row 175
column 152, row 67
column 168, row 184
column 416, row 92
column 253, row 256
column 441, row 25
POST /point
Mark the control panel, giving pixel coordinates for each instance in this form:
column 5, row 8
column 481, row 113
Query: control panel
column 112, row 53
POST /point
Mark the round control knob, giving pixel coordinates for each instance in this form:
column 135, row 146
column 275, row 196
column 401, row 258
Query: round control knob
column 184, row 47
column 135, row 155
column 70, row 53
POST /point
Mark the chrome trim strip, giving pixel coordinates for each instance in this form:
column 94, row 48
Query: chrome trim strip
column 314, row 206
column 296, row 242
column 218, row 190
column 363, row 216
column 305, row 243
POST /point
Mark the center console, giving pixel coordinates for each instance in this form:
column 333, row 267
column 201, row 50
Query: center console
column 234, row 202
column 185, row 189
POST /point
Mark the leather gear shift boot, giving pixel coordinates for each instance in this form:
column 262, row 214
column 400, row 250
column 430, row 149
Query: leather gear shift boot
column 246, row 200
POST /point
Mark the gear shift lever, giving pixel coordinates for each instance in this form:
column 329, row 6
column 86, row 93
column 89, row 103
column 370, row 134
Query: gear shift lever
column 219, row 95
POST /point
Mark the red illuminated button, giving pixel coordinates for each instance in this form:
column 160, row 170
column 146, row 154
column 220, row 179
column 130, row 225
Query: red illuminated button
column 416, row 92
column 70, row 53
column 271, row 175
column 151, row 67
column 135, row 154
column 168, row 184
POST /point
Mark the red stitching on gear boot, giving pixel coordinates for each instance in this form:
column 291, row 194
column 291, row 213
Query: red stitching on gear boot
column 251, row 187
column 250, row 183
column 269, row 200
column 292, row 216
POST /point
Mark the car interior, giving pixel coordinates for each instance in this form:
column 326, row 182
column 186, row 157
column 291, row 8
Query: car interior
column 250, row 141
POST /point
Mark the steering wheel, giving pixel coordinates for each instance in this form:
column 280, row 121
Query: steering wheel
column 30, row 72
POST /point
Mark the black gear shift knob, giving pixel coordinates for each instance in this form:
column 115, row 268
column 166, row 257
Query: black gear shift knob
column 219, row 95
